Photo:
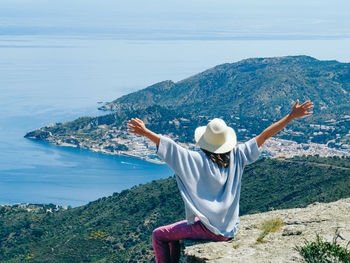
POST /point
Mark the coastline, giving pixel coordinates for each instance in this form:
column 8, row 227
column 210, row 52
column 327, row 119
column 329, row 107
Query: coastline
column 142, row 149
column 129, row 153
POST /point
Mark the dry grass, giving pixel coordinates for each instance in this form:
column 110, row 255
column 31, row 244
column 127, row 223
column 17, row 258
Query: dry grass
column 235, row 246
column 268, row 226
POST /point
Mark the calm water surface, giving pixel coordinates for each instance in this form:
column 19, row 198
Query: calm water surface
column 54, row 79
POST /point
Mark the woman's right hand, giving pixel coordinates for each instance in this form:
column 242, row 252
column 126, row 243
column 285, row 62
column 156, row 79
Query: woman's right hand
column 299, row 111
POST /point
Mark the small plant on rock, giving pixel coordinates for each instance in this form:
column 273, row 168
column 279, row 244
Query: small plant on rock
column 320, row 251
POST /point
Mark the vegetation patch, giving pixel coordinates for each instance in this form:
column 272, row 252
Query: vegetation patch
column 98, row 235
column 30, row 256
column 321, row 251
column 235, row 246
column 121, row 225
column 268, row 226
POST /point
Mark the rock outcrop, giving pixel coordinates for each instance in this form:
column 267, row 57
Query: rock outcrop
column 299, row 224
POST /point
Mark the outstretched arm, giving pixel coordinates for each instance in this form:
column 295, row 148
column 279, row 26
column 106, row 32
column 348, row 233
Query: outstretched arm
column 138, row 127
column 298, row 111
column 179, row 159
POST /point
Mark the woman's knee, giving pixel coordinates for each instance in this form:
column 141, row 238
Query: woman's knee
column 157, row 233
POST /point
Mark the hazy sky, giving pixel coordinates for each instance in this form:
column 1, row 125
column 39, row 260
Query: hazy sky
column 179, row 19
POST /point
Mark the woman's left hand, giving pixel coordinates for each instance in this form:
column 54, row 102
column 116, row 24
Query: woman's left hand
column 137, row 126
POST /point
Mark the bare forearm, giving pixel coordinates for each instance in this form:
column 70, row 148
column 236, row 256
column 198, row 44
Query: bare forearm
column 152, row 136
column 276, row 127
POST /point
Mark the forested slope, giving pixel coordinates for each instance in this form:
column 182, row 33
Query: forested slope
column 118, row 228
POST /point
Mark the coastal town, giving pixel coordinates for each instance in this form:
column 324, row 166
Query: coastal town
column 116, row 141
column 272, row 148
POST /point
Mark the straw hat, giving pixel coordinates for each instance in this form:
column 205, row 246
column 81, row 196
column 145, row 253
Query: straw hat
column 216, row 137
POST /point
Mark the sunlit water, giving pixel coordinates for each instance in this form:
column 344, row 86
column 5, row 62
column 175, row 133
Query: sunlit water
column 54, row 79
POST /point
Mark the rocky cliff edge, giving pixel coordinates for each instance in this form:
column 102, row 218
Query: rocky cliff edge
column 299, row 224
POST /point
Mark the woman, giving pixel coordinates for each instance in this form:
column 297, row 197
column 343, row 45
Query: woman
column 209, row 180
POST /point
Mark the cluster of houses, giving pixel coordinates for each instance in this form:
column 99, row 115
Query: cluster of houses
column 119, row 142
column 48, row 208
column 141, row 147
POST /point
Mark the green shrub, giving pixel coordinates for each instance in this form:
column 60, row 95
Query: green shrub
column 320, row 251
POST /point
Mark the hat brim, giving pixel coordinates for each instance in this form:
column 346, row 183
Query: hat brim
column 231, row 141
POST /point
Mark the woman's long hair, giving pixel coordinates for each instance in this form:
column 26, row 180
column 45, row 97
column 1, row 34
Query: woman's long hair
column 221, row 159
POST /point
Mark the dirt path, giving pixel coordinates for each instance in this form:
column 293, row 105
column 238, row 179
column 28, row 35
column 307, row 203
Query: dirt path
column 313, row 163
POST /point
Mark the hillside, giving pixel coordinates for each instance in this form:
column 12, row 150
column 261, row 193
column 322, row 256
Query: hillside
column 118, row 228
column 250, row 95
column 257, row 86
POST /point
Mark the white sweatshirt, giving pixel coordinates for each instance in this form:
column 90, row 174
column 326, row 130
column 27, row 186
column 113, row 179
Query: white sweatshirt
column 209, row 192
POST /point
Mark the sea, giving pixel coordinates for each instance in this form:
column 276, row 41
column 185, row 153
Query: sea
column 52, row 78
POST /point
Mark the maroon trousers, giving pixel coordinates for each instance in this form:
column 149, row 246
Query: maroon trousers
column 166, row 243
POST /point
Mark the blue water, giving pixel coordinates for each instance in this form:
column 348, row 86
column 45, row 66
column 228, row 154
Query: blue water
column 42, row 82
column 37, row 172
column 49, row 79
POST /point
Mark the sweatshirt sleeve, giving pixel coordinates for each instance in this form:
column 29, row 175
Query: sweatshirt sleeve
column 179, row 159
column 248, row 152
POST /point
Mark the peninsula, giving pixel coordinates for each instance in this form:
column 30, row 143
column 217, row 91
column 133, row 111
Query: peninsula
column 249, row 95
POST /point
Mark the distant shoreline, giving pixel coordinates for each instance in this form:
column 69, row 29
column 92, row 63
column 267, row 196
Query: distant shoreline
column 130, row 155
column 271, row 149
column 92, row 148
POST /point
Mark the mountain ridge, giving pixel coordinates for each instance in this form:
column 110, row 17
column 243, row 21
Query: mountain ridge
column 234, row 81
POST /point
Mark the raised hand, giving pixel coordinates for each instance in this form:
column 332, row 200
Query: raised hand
column 299, row 111
column 137, row 126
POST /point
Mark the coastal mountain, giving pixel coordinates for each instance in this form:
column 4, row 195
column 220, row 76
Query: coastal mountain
column 255, row 87
column 118, row 228
column 249, row 95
